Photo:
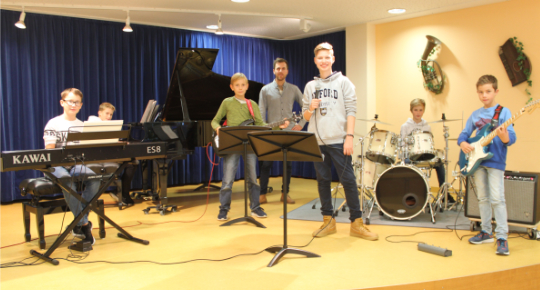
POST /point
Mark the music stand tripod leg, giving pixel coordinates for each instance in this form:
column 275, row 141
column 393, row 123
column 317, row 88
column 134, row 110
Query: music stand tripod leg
column 282, row 251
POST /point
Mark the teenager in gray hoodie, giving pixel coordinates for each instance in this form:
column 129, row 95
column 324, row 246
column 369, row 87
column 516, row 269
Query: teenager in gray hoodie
column 329, row 104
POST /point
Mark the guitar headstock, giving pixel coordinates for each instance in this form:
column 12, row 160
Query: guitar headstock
column 296, row 117
column 530, row 107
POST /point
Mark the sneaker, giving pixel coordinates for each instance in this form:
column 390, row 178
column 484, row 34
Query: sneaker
column 481, row 238
column 450, row 199
column 78, row 232
column 87, row 229
column 502, row 247
column 127, row 200
column 259, row 212
column 222, row 216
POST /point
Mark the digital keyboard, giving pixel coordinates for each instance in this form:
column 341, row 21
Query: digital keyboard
column 77, row 154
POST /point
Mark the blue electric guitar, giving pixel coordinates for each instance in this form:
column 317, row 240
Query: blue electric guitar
column 468, row 163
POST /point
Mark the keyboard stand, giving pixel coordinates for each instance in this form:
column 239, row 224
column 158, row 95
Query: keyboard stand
column 88, row 206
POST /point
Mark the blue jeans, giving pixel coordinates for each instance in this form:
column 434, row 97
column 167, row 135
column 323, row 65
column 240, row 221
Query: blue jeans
column 266, row 166
column 490, row 192
column 334, row 153
column 91, row 187
column 440, row 174
column 230, row 165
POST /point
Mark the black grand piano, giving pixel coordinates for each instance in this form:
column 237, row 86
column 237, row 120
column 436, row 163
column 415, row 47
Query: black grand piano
column 193, row 98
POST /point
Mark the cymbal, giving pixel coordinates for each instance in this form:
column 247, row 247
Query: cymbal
column 374, row 121
column 447, row 120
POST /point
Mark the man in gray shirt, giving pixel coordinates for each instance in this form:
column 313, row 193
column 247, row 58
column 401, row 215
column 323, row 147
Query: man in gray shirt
column 276, row 102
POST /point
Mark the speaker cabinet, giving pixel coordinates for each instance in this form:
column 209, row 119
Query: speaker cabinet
column 521, row 194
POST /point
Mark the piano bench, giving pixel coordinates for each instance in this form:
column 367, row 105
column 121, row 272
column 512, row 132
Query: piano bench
column 41, row 187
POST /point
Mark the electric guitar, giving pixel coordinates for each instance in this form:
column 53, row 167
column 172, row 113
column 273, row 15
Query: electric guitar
column 468, row 163
column 215, row 138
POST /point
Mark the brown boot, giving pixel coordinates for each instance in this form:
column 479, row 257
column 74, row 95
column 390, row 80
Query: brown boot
column 325, row 230
column 262, row 199
column 289, row 199
column 358, row 229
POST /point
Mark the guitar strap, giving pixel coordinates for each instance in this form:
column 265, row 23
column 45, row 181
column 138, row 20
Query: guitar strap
column 495, row 119
column 248, row 103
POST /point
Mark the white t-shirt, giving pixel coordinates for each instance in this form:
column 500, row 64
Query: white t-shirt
column 94, row 119
column 57, row 129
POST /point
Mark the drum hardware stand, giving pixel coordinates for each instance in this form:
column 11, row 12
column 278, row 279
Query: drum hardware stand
column 445, row 188
column 460, row 195
column 364, row 191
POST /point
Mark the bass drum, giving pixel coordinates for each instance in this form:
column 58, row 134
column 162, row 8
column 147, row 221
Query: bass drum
column 402, row 192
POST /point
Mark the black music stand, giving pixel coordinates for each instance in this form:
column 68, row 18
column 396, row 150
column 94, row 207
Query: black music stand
column 234, row 140
column 91, row 204
column 296, row 146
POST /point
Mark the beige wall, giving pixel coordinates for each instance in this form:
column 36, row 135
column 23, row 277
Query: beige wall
column 361, row 63
column 471, row 39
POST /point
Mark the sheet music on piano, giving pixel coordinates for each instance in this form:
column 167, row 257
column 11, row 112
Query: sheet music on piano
column 101, row 126
column 150, row 111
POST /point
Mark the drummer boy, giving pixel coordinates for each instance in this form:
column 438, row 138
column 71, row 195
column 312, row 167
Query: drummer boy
column 417, row 108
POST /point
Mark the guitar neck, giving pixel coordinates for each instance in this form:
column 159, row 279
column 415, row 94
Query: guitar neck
column 508, row 122
column 278, row 123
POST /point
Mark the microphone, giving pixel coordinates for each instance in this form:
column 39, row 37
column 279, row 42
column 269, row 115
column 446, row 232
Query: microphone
column 317, row 89
column 317, row 94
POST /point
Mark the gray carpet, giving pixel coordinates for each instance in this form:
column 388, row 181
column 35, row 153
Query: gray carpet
column 443, row 219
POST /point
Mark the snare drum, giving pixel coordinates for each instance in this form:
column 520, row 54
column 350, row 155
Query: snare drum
column 421, row 147
column 402, row 192
column 436, row 161
column 382, row 147
column 372, row 171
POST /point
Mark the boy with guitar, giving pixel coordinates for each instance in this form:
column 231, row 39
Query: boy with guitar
column 489, row 175
column 238, row 109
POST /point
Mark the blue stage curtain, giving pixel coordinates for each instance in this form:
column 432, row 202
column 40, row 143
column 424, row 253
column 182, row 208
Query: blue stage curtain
column 127, row 70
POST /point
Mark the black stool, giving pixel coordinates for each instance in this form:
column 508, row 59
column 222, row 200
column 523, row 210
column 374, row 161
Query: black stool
column 38, row 188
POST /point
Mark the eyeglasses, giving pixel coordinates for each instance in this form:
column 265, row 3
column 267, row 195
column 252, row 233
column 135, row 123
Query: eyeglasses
column 72, row 103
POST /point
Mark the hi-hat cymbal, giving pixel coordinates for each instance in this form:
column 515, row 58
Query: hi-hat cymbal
column 374, row 121
column 441, row 120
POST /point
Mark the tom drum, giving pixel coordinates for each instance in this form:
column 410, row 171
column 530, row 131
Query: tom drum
column 382, row 147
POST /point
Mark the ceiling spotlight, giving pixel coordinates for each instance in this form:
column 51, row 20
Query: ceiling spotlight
column 240, row 1
column 219, row 31
column 304, row 25
column 20, row 23
column 127, row 28
column 396, row 11
column 213, row 27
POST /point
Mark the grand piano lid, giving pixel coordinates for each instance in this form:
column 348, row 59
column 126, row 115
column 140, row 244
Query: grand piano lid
column 195, row 91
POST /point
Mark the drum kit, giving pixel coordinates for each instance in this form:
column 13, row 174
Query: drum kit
column 393, row 173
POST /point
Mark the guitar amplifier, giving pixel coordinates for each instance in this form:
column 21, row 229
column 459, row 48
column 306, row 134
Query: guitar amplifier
column 521, row 193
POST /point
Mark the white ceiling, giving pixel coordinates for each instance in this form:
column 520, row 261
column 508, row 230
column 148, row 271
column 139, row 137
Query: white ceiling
column 274, row 19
